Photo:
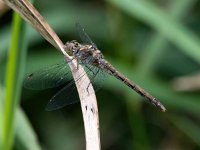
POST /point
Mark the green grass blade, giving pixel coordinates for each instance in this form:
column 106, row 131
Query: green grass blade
column 187, row 126
column 14, row 78
column 1, row 116
column 157, row 43
column 24, row 130
column 155, row 17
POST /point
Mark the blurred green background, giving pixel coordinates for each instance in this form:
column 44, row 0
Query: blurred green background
column 153, row 43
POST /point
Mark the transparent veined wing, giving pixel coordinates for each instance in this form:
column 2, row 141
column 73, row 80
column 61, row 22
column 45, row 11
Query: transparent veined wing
column 84, row 36
column 66, row 96
column 49, row 77
column 69, row 95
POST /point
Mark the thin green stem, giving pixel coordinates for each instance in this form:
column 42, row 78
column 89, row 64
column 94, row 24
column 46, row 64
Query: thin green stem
column 14, row 77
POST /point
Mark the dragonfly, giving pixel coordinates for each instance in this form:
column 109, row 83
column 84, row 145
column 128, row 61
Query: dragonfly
column 96, row 66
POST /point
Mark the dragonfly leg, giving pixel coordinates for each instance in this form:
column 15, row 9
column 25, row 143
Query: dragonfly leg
column 77, row 67
column 95, row 74
column 68, row 61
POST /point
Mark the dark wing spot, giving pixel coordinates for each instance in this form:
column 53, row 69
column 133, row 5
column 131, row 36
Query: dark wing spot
column 30, row 76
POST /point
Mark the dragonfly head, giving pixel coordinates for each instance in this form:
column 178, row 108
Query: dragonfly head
column 72, row 47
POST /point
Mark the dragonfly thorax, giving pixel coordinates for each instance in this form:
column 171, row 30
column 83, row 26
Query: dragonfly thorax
column 88, row 54
column 85, row 54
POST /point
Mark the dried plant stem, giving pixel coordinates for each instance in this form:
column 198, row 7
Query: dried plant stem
column 89, row 109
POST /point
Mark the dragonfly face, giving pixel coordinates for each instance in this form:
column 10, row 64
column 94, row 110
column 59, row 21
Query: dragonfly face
column 72, row 47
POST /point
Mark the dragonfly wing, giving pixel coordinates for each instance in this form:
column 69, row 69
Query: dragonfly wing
column 69, row 95
column 84, row 36
column 49, row 77
column 66, row 96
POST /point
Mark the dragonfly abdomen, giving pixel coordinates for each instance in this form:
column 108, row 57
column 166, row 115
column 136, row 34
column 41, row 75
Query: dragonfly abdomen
column 111, row 70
